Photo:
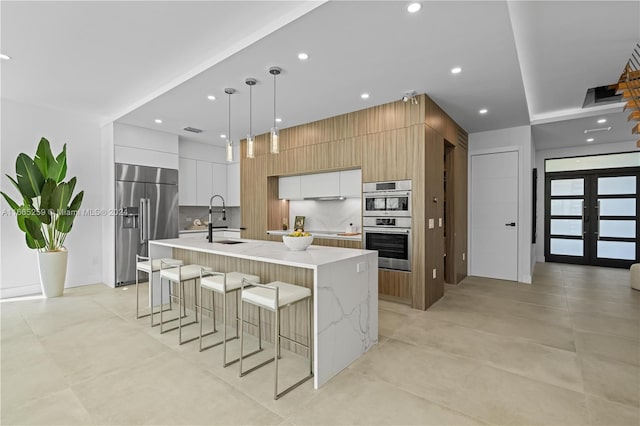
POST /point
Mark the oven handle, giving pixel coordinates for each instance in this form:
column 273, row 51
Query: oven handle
column 386, row 194
column 387, row 230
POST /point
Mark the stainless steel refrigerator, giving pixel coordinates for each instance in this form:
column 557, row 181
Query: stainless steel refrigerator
column 147, row 199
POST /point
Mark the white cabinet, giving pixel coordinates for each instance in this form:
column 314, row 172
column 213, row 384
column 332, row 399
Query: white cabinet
column 233, row 184
column 320, row 185
column 218, row 181
column 289, row 188
column 351, row 183
column 204, row 171
column 187, row 182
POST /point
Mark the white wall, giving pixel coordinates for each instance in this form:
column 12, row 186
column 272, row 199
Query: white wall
column 543, row 155
column 512, row 139
column 204, row 151
column 22, row 127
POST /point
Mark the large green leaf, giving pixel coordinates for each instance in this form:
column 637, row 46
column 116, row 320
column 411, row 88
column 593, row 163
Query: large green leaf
column 72, row 184
column 77, row 201
column 11, row 203
column 44, row 157
column 30, row 179
column 65, row 222
column 13, row 181
column 45, row 200
column 59, row 171
column 60, row 197
column 33, row 229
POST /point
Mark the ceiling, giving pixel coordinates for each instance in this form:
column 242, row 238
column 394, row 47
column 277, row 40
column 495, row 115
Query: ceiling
column 134, row 62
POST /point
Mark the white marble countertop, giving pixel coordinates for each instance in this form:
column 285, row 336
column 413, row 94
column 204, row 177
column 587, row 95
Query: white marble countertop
column 321, row 234
column 193, row 231
column 266, row 251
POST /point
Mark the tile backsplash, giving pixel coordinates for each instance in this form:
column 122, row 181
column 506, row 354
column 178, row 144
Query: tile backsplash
column 327, row 215
column 189, row 213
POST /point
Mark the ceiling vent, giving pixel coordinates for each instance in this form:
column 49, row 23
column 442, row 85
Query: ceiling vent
column 601, row 95
column 193, row 130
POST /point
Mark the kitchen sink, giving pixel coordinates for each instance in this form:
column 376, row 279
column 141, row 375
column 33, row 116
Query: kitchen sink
column 229, row 242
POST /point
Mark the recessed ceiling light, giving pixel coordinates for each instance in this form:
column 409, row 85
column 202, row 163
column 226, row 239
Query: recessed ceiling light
column 157, row 120
column 602, row 121
column 590, row 140
column 483, row 111
column 303, row 56
column 456, row 70
column 211, row 98
column 414, row 7
column 278, row 120
column 365, row 96
column 223, row 136
column 3, row 56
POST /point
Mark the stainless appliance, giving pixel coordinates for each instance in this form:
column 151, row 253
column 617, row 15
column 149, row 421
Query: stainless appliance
column 387, row 198
column 148, row 200
column 391, row 238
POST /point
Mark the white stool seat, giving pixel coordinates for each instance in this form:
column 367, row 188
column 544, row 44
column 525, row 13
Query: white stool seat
column 144, row 266
column 188, row 272
column 266, row 298
column 234, row 281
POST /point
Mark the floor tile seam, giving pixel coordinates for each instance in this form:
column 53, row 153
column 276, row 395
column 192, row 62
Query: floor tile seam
column 421, row 397
column 501, row 294
column 622, row 404
column 498, row 366
column 584, row 330
column 598, row 333
column 114, row 371
column 506, row 316
column 488, row 364
column 605, row 358
column 515, row 338
column 561, row 310
column 47, row 395
column 493, row 296
column 631, row 304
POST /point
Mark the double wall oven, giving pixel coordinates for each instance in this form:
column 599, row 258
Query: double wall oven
column 387, row 223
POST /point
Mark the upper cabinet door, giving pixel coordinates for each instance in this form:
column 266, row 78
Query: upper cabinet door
column 351, row 183
column 233, row 184
column 219, row 183
column 320, row 185
column 203, row 187
column 289, row 188
column 187, row 193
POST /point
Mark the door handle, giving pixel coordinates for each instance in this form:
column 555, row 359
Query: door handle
column 510, row 224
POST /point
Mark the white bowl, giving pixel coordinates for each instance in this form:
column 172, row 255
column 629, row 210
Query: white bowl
column 297, row 243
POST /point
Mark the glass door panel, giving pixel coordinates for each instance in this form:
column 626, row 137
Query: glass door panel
column 591, row 217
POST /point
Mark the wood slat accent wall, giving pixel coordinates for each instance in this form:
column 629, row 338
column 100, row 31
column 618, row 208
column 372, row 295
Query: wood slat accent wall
column 393, row 141
column 292, row 320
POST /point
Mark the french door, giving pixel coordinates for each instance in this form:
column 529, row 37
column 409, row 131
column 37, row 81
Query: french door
column 591, row 217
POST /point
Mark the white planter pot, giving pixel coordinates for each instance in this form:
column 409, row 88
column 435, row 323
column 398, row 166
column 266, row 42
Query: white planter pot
column 53, row 272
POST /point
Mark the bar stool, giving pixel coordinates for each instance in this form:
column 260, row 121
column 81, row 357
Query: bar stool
column 222, row 283
column 274, row 297
column 179, row 274
column 145, row 264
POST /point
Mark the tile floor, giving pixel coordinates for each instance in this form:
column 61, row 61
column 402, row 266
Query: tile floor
column 563, row 351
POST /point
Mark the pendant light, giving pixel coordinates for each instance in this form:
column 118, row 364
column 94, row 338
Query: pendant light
column 229, row 92
column 275, row 135
column 250, row 142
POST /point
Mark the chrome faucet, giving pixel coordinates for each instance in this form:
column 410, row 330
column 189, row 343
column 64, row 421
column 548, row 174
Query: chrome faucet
column 224, row 214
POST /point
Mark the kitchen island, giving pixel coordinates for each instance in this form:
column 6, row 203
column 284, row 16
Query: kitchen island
column 344, row 284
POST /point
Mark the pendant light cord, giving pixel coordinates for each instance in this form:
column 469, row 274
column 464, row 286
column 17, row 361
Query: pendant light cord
column 250, row 110
column 229, row 117
column 274, row 101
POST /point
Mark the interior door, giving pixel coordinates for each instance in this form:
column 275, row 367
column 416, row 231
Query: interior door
column 494, row 215
column 592, row 217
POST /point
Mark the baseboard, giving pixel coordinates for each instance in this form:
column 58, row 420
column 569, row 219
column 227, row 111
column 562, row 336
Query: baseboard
column 526, row 279
column 20, row 291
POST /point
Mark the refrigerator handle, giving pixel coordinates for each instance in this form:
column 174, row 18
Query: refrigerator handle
column 147, row 222
column 142, row 219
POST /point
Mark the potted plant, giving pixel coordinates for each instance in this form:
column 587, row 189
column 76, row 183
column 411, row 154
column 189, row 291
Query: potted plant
column 46, row 212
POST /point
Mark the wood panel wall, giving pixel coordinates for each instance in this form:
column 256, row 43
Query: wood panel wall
column 393, row 141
